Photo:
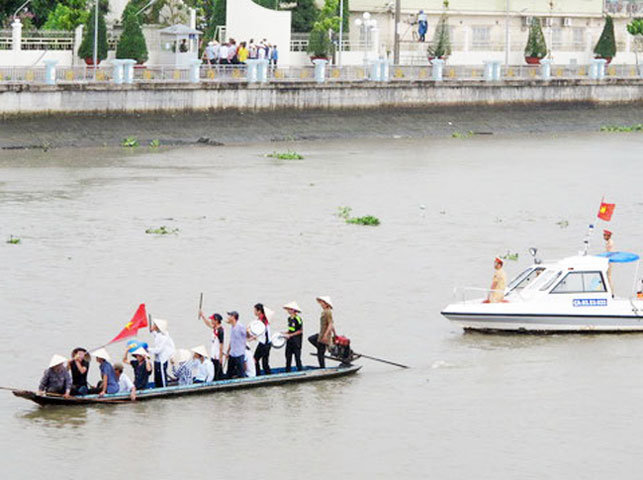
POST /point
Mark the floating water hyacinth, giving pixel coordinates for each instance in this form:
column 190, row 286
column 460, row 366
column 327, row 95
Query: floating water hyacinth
column 286, row 155
column 162, row 230
column 13, row 240
column 510, row 256
column 129, row 142
column 345, row 213
column 622, row 128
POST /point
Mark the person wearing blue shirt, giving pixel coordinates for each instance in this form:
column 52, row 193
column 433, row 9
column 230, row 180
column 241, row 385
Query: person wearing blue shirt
column 237, row 347
column 108, row 376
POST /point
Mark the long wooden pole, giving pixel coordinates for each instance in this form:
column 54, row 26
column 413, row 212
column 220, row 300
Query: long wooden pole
column 200, row 305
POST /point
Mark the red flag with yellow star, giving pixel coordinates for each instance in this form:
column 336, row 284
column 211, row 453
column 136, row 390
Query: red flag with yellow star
column 139, row 320
column 605, row 211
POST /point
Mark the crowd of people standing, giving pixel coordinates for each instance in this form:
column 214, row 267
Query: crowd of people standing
column 231, row 53
column 68, row 376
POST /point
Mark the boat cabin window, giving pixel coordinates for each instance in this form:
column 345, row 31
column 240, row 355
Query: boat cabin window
column 525, row 279
column 581, row 282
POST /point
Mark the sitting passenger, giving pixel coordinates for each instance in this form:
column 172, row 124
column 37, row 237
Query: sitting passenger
column 142, row 366
column 108, row 383
column 202, row 366
column 56, row 378
column 182, row 367
column 125, row 384
column 79, row 366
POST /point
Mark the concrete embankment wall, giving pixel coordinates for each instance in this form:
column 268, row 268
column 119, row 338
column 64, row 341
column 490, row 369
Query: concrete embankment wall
column 168, row 97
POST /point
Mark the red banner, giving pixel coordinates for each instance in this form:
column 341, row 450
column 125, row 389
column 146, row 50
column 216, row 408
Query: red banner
column 605, row 211
column 139, row 320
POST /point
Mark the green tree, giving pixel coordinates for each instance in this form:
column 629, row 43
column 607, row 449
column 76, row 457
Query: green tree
column 67, row 15
column 272, row 4
column 319, row 44
column 218, row 16
column 606, row 46
column 86, row 49
column 440, row 47
column 347, row 13
column 132, row 42
column 536, row 44
column 635, row 28
column 151, row 14
column 304, row 15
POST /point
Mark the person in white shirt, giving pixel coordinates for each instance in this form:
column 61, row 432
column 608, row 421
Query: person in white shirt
column 216, row 342
column 163, row 349
column 249, row 364
column 125, row 384
column 201, row 365
column 223, row 54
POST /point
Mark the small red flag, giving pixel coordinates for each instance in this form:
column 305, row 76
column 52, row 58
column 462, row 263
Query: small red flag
column 139, row 320
column 605, row 211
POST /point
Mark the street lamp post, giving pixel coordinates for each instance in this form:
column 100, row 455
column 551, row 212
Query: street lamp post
column 396, row 34
column 366, row 24
column 341, row 31
column 95, row 57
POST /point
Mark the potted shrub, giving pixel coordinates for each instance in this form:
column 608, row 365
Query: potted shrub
column 132, row 45
column 440, row 47
column 319, row 44
column 536, row 48
column 606, row 46
column 86, row 50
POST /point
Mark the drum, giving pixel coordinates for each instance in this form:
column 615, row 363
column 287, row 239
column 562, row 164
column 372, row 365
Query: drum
column 278, row 340
column 257, row 328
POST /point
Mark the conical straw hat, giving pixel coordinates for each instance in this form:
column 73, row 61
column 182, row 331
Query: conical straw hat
column 161, row 324
column 102, row 353
column 293, row 306
column 326, row 299
column 141, row 351
column 56, row 360
column 201, row 351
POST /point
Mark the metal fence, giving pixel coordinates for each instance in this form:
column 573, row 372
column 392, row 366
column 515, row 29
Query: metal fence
column 238, row 73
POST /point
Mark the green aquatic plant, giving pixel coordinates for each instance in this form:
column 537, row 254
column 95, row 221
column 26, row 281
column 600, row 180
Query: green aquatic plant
column 286, row 155
column 366, row 220
column 462, row 135
column 345, row 213
column 129, row 142
column 162, row 230
column 510, row 256
column 13, row 240
column 156, row 143
column 622, row 128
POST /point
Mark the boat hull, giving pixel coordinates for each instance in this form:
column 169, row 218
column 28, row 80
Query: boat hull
column 308, row 375
column 546, row 323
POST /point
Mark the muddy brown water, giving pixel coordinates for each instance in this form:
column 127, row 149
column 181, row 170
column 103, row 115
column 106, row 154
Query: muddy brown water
column 253, row 228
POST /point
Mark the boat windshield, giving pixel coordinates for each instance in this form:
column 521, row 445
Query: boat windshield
column 526, row 278
column 549, row 277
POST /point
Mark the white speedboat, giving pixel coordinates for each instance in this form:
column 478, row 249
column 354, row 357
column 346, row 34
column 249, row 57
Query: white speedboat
column 572, row 295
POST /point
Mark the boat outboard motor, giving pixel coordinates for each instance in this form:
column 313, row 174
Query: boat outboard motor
column 341, row 349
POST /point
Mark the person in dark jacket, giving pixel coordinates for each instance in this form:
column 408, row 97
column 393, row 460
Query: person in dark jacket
column 56, row 378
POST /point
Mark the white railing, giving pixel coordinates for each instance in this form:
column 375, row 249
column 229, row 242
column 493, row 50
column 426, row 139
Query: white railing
column 277, row 74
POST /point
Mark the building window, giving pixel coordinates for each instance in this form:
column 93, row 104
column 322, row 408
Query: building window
column 481, row 37
column 556, row 38
column 579, row 36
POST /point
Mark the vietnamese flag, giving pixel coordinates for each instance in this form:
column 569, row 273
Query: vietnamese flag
column 139, row 320
column 605, row 211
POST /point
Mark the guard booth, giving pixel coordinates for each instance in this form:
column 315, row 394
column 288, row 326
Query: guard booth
column 179, row 45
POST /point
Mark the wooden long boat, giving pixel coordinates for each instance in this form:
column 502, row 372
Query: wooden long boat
column 279, row 377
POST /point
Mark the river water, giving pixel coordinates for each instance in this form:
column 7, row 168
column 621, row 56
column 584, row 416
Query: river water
column 253, row 228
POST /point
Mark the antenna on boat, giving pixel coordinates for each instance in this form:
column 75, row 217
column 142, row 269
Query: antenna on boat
column 590, row 230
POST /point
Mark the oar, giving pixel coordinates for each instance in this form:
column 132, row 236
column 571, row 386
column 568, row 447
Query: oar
column 10, row 388
column 200, row 305
column 382, row 360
